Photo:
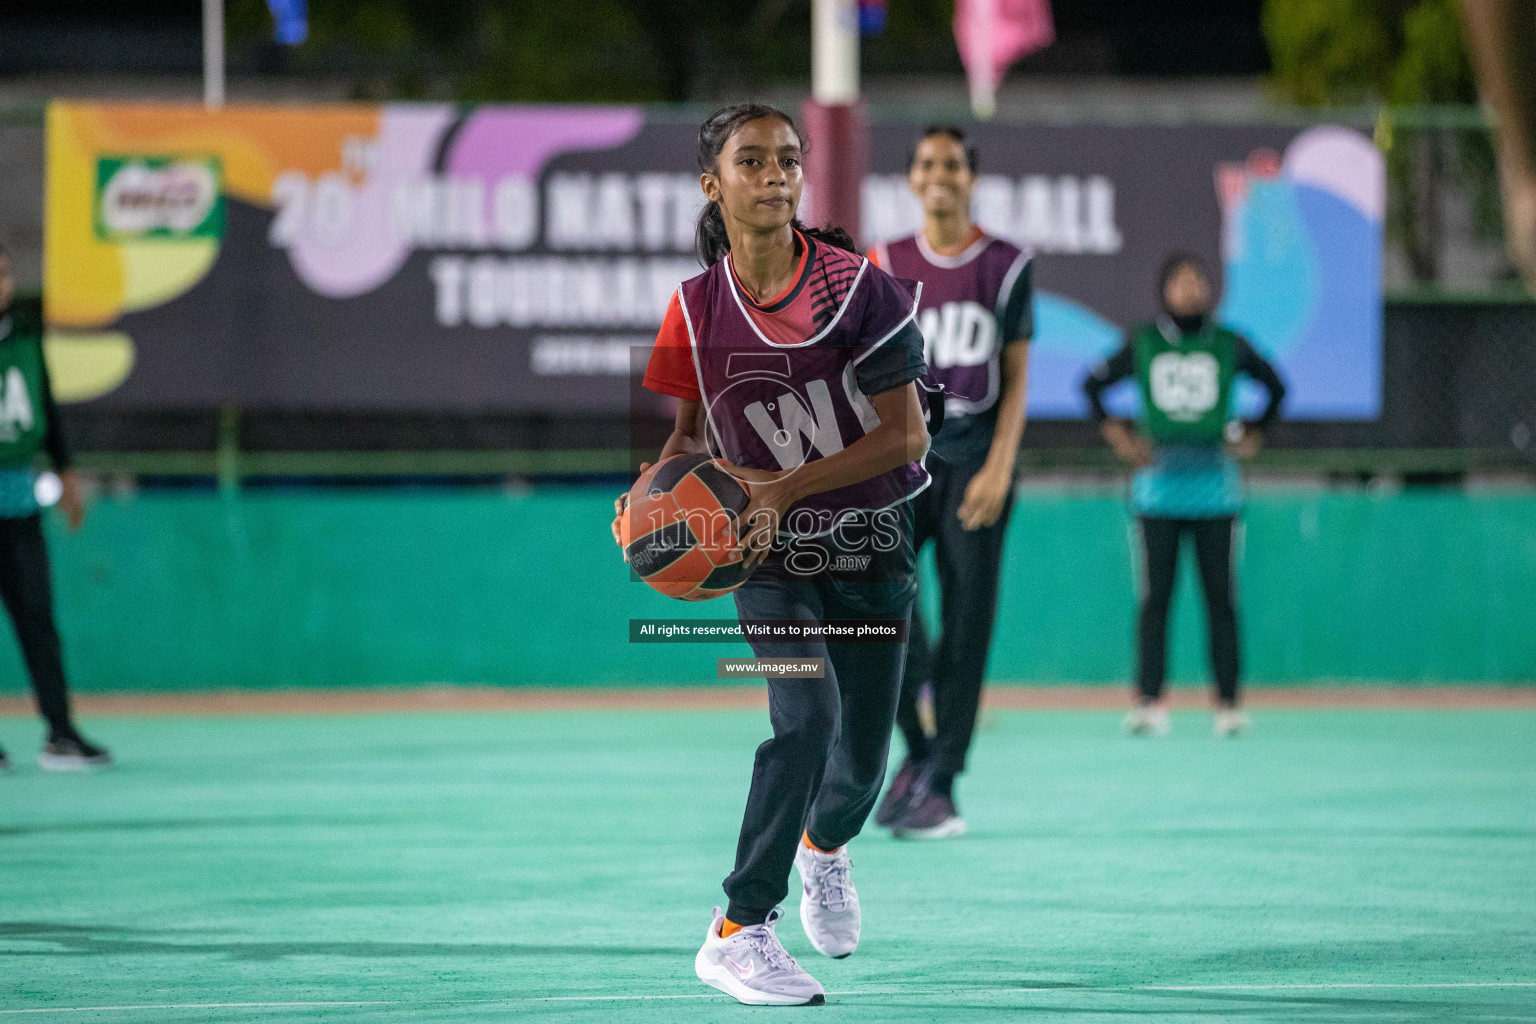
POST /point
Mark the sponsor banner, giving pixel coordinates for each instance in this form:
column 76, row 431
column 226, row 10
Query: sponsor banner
column 506, row 259
column 158, row 197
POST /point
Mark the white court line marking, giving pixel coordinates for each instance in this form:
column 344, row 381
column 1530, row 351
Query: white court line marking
column 955, row 990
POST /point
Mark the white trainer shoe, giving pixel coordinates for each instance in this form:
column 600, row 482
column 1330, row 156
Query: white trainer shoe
column 754, row 968
column 829, row 905
column 1229, row 723
column 1148, row 720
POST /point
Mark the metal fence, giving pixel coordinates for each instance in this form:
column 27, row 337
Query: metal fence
column 1445, row 232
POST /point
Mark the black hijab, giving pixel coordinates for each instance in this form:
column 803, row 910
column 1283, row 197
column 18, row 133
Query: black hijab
column 1171, row 266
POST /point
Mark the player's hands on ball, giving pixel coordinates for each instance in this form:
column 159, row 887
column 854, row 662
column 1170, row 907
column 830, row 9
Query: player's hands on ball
column 72, row 500
column 985, row 497
column 1129, row 445
column 769, row 498
column 619, row 505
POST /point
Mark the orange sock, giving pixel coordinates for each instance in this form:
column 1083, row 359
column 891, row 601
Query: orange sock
column 806, row 838
column 728, row 928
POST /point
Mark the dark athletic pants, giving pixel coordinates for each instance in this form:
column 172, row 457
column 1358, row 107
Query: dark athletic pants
column 969, row 562
column 821, row 772
column 1159, row 540
column 27, row 588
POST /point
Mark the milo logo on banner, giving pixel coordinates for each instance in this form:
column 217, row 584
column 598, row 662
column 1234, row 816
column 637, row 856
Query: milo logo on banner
column 158, row 197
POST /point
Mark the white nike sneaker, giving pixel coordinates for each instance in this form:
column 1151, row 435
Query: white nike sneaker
column 829, row 906
column 1148, row 720
column 754, row 967
column 1229, row 723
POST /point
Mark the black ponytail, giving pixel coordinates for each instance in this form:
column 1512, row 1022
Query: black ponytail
column 710, row 239
column 830, row 234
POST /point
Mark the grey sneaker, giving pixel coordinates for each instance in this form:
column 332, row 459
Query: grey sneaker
column 899, row 794
column 931, row 816
column 754, row 967
column 1147, row 720
column 829, row 906
column 73, row 754
column 1229, row 723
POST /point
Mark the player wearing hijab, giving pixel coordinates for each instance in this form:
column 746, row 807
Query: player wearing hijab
column 793, row 360
column 976, row 316
column 1188, row 482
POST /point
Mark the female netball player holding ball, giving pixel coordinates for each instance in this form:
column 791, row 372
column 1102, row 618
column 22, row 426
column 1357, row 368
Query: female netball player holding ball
column 795, row 358
column 977, row 317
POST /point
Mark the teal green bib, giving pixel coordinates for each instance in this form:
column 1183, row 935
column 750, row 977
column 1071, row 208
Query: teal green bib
column 1186, row 383
column 23, row 416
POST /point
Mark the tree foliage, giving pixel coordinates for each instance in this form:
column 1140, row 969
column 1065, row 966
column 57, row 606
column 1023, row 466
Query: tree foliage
column 1400, row 53
column 1403, row 52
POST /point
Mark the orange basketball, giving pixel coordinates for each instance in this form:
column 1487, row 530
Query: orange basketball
column 679, row 529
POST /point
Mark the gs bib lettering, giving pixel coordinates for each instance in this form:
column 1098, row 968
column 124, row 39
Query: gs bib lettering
column 1186, row 383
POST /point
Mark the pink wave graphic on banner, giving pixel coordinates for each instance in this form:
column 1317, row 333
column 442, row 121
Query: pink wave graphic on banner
column 497, row 141
column 371, row 251
column 491, row 144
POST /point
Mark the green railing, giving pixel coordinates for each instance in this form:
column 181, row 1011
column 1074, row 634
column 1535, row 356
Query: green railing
column 231, row 468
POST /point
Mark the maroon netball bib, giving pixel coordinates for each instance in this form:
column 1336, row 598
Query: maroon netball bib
column 965, row 313
column 788, row 382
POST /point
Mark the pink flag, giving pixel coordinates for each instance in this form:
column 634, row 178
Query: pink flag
column 992, row 34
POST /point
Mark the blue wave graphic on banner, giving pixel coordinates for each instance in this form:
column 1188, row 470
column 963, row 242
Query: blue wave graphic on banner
column 1302, row 263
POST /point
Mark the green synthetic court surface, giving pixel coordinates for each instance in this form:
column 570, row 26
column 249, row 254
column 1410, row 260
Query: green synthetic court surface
column 1371, row 866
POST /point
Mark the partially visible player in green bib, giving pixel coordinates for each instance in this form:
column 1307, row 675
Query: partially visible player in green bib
column 1185, row 443
column 29, row 426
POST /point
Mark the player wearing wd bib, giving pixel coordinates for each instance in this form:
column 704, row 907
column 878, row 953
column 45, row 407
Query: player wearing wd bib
column 794, row 361
column 29, row 426
column 975, row 303
column 1186, row 368
column 976, row 316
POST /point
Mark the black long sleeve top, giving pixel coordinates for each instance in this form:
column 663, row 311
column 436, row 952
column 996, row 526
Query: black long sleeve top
column 1123, row 364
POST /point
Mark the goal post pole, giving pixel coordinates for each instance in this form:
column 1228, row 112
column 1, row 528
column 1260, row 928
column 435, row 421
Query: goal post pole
column 836, row 123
